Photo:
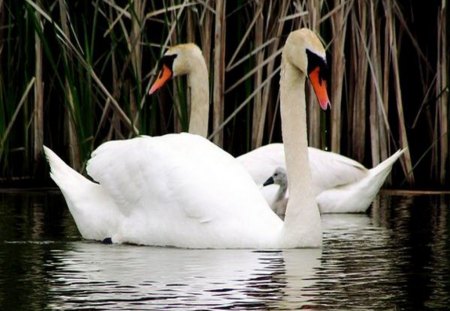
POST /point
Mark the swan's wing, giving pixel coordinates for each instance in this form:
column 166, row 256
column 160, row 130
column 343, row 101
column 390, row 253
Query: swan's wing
column 330, row 170
column 262, row 162
column 176, row 176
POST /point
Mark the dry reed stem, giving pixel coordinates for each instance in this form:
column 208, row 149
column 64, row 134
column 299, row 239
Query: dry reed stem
column 135, row 47
column 190, row 37
column 206, row 22
column 219, row 70
column 74, row 147
column 258, row 117
column 122, row 11
column 375, row 125
column 292, row 16
column 38, row 114
column 170, row 8
column 173, row 39
column 358, row 80
column 399, row 102
column 114, row 124
column 190, row 27
column 381, row 96
column 338, row 26
column 442, row 89
column 206, row 35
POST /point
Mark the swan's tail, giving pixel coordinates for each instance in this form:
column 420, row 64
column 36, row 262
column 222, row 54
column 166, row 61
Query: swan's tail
column 62, row 174
column 378, row 175
column 93, row 210
column 383, row 169
column 357, row 197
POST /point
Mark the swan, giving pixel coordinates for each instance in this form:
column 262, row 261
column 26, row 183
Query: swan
column 279, row 177
column 341, row 185
column 181, row 190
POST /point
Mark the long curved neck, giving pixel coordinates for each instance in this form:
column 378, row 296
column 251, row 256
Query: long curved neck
column 281, row 193
column 199, row 88
column 302, row 221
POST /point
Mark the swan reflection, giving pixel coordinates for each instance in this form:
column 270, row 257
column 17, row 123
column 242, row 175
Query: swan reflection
column 93, row 274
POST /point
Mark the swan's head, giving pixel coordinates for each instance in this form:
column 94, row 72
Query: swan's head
column 304, row 50
column 279, row 177
column 178, row 60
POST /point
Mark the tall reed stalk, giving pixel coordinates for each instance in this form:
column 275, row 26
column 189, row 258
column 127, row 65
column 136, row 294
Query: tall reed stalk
column 219, row 70
column 443, row 89
column 339, row 30
column 70, row 111
column 38, row 120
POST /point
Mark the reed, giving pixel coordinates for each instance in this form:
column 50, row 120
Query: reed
column 442, row 89
column 399, row 102
column 73, row 140
column 358, row 78
column 219, row 70
column 379, row 107
column 257, row 130
column 339, row 31
column 38, row 120
column 76, row 73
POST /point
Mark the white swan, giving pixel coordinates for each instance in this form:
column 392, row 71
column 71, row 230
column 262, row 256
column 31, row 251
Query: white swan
column 182, row 190
column 341, row 184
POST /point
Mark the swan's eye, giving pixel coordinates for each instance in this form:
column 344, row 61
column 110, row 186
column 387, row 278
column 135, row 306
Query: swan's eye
column 317, row 73
column 315, row 61
column 167, row 60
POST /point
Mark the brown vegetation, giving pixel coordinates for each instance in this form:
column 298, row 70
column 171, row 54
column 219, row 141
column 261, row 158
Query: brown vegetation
column 76, row 73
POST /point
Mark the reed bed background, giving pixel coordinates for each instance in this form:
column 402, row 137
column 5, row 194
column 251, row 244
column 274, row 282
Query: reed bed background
column 76, row 73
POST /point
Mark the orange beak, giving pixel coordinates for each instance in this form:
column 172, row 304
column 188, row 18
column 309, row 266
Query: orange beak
column 320, row 88
column 164, row 75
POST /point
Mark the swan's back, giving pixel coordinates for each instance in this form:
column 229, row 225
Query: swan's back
column 331, row 170
column 262, row 161
column 182, row 190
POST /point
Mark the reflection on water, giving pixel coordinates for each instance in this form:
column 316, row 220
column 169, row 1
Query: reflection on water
column 397, row 257
column 127, row 276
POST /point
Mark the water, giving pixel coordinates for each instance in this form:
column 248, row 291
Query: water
column 395, row 258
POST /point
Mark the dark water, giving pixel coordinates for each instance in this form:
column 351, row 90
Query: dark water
column 395, row 258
